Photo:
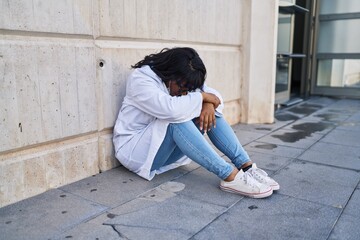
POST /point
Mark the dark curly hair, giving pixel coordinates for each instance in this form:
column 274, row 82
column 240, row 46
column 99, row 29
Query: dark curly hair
column 183, row 65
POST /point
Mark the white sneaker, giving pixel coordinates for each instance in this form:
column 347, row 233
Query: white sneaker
column 245, row 184
column 262, row 177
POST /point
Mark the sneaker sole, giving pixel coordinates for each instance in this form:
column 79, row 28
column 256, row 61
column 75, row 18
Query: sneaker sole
column 255, row 195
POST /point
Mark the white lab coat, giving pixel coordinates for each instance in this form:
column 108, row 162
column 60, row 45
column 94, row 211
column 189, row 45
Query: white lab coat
column 143, row 119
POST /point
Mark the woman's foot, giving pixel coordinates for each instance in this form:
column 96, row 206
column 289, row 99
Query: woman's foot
column 262, row 177
column 245, row 184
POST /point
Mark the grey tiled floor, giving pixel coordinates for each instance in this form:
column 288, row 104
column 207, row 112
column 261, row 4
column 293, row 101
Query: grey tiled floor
column 312, row 150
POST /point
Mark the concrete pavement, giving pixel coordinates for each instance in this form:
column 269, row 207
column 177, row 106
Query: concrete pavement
column 312, row 150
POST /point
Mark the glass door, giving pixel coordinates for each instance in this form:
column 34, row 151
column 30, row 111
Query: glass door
column 336, row 65
column 285, row 55
column 283, row 62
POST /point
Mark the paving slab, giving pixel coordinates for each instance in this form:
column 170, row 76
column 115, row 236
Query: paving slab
column 331, row 115
column 343, row 137
column 291, row 138
column 269, row 162
column 45, row 215
column 311, row 126
column 261, row 128
column 119, row 185
column 202, row 185
column 333, row 154
column 246, row 137
column 352, row 208
column 355, row 117
column 89, row 230
column 317, row 183
column 349, row 125
column 338, row 111
column 274, row 149
column 287, row 117
column 304, row 109
column 276, row 217
column 324, row 118
column 176, row 217
column 324, row 101
column 348, row 226
column 350, row 104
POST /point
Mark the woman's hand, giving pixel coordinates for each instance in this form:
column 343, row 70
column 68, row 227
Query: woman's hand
column 207, row 118
column 211, row 98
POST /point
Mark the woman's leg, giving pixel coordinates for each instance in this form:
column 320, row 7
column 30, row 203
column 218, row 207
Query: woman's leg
column 185, row 139
column 224, row 139
column 168, row 153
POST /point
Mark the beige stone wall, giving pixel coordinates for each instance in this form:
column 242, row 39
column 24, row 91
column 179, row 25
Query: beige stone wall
column 259, row 61
column 58, row 105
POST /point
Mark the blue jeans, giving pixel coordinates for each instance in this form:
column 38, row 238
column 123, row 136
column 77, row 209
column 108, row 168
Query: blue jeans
column 187, row 139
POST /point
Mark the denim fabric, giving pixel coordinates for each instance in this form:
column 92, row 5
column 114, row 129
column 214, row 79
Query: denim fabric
column 186, row 139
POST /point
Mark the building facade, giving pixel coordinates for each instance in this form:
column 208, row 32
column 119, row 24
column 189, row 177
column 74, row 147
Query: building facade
column 64, row 64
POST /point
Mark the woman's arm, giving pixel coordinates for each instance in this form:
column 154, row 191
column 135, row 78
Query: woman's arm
column 218, row 109
column 212, row 106
column 147, row 95
column 211, row 98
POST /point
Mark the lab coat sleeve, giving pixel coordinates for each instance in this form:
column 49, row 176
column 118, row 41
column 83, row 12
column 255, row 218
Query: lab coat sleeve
column 150, row 98
column 219, row 109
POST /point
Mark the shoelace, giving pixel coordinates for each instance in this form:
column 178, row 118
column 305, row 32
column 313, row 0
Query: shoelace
column 249, row 179
column 258, row 172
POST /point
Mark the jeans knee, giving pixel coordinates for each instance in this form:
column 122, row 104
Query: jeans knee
column 185, row 124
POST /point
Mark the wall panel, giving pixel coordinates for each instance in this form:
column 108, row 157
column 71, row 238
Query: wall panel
column 64, row 66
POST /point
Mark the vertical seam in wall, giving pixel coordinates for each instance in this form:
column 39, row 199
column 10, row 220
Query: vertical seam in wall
column 276, row 17
column 136, row 19
column 77, row 87
column 109, row 14
column 59, row 84
column 33, row 11
column 98, row 84
column 73, row 15
column 10, row 15
column 246, row 32
column 99, row 96
column 95, row 17
column 39, row 91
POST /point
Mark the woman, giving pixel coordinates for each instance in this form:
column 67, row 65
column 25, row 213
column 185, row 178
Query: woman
column 166, row 111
